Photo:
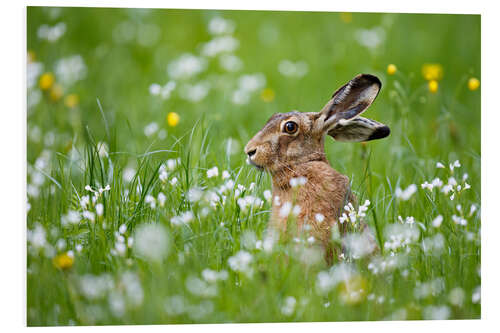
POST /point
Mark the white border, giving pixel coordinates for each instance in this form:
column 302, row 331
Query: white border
column 13, row 132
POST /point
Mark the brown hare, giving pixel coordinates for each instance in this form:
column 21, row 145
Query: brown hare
column 291, row 148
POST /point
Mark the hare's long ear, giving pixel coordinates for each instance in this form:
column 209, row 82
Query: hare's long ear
column 358, row 129
column 350, row 100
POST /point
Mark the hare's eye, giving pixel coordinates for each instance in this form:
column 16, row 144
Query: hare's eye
column 291, row 127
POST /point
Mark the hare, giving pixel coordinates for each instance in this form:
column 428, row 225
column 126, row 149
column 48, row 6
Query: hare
column 291, row 148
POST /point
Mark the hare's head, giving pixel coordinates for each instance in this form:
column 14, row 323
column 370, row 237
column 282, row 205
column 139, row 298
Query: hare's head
column 289, row 139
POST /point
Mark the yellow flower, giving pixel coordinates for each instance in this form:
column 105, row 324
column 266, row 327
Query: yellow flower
column 267, row 95
column 473, row 84
column 433, row 86
column 391, row 69
column 432, row 72
column 353, row 290
column 172, row 119
column 56, row 92
column 46, row 81
column 346, row 17
column 63, row 261
column 71, row 100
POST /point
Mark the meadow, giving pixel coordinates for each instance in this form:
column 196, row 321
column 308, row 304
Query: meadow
column 141, row 208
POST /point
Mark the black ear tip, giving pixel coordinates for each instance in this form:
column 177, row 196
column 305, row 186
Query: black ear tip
column 370, row 79
column 380, row 133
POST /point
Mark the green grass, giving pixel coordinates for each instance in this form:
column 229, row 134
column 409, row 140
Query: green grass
column 115, row 106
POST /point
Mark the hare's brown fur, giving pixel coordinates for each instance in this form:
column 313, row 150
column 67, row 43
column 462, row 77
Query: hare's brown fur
column 288, row 154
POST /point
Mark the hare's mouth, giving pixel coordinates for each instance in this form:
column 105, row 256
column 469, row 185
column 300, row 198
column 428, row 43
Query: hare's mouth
column 258, row 167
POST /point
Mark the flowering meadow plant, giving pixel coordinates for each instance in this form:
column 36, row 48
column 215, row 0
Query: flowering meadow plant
column 142, row 210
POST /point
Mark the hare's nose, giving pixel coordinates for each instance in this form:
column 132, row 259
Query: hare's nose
column 252, row 152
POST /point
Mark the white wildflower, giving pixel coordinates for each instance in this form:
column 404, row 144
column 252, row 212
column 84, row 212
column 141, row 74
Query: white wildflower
column 459, row 220
column 400, row 235
column 476, row 295
column 452, row 181
column 406, row 194
column 447, row 189
column 194, row 92
column 95, row 286
column 61, row 244
column 218, row 45
column 436, row 182
column 240, row 262
column 436, row 223
column 363, row 208
column 173, row 163
column 198, row 287
column 70, row 70
column 37, row 236
column 186, row 66
column 84, row 201
column 319, row 217
column 285, row 209
column 289, row 307
column 430, row 288
column 151, row 129
column 149, row 199
column 174, row 181
column 175, row 305
column 436, row 312
column 133, row 288
column 88, row 215
column 122, row 229
column 457, row 296
column 184, row 218
column 213, row 172
column 267, row 195
column 154, row 89
column 440, row 165
column 359, row 245
column 151, row 241
column 161, row 199
column 99, row 209
column 128, row 174
column 230, row 62
column 427, row 185
column 291, row 69
column 248, row 239
column 298, row 181
column 72, row 217
column 434, row 244
column 269, row 240
column 454, row 165
column 102, row 149
column 220, row 26
column 327, row 280
column 194, row 194
column 251, row 82
column 163, row 174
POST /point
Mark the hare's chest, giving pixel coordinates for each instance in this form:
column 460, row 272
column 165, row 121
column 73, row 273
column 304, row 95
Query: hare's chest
column 316, row 204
